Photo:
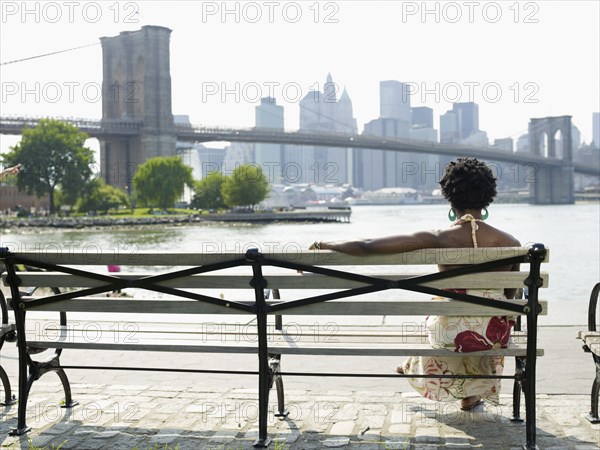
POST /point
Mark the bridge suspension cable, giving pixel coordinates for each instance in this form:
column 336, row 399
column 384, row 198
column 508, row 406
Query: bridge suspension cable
column 48, row 54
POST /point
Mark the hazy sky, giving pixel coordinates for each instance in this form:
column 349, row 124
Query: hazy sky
column 517, row 60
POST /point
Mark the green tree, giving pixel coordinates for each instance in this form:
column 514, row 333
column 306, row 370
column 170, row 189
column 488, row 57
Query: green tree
column 159, row 182
column 100, row 196
column 247, row 186
column 207, row 192
column 53, row 156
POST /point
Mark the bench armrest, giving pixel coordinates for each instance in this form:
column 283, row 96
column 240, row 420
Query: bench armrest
column 592, row 308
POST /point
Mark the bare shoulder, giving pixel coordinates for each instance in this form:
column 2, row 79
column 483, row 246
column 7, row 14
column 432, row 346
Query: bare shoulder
column 503, row 238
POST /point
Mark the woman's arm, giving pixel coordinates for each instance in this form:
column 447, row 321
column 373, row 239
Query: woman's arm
column 383, row 246
column 10, row 171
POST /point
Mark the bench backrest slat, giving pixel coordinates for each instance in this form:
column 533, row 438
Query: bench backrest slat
column 444, row 256
column 489, row 280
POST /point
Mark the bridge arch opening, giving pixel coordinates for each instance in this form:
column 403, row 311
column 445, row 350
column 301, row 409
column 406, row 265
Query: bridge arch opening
column 94, row 145
column 559, row 144
column 544, row 145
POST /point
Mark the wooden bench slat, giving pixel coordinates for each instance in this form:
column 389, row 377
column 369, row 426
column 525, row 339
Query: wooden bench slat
column 227, row 330
column 490, row 280
column 295, row 255
column 334, row 307
column 108, row 340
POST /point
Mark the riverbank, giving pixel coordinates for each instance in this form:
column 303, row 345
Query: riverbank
column 315, row 216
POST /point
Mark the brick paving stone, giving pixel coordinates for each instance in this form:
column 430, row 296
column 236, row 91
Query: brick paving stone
column 346, row 412
column 223, row 437
column 402, row 429
column 401, row 416
column 169, row 417
column 344, row 428
column 427, row 434
column 374, row 422
column 336, row 442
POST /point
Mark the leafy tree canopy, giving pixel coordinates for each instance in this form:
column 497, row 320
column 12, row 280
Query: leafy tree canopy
column 159, row 182
column 207, row 192
column 52, row 156
column 101, row 197
column 246, row 186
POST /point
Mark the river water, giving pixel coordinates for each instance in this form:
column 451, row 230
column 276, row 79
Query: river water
column 572, row 232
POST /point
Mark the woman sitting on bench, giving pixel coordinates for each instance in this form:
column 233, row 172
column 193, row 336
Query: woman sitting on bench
column 470, row 187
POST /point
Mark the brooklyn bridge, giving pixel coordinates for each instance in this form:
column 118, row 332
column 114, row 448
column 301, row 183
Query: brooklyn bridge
column 131, row 132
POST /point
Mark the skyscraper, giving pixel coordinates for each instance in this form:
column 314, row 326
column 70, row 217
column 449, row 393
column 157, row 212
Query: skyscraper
column 376, row 169
column 394, row 100
column 421, row 117
column 269, row 157
column 450, row 127
column 322, row 111
column 469, row 118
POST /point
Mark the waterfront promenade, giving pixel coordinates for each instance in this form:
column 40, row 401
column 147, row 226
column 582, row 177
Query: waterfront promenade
column 142, row 410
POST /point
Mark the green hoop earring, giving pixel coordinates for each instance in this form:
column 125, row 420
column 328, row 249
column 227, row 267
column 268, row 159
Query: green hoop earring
column 485, row 215
column 452, row 215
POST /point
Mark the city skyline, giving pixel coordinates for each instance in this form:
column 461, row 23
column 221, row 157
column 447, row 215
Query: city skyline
column 253, row 49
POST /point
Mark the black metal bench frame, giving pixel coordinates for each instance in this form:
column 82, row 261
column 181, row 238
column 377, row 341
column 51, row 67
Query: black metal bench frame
column 7, row 334
column 269, row 364
column 593, row 416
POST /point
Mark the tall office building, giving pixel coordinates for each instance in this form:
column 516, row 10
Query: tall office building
column 596, row 129
column 394, row 100
column 377, row 169
column 421, row 117
column 421, row 129
column 324, row 112
column 269, row 157
column 450, row 127
column 523, row 145
column 469, row 118
column 504, row 144
column 381, row 168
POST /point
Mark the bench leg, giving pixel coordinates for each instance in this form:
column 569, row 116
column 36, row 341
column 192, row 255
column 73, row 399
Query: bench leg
column 517, row 389
column 282, row 412
column 69, row 402
column 263, row 400
column 593, row 415
column 264, row 383
column 36, row 370
column 24, row 389
column 25, row 381
column 530, row 413
column 9, row 398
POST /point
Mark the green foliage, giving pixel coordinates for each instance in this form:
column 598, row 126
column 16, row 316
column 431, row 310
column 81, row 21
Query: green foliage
column 100, row 196
column 52, row 155
column 160, row 182
column 207, row 192
column 247, row 186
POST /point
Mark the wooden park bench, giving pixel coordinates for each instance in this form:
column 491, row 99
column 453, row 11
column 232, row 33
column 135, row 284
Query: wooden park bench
column 591, row 343
column 311, row 283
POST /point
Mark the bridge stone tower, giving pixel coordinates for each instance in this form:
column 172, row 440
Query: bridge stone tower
column 136, row 87
column 552, row 185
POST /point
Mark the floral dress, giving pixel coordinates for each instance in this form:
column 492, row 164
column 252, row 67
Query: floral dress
column 462, row 334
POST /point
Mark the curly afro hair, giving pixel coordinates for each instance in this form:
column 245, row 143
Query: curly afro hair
column 468, row 184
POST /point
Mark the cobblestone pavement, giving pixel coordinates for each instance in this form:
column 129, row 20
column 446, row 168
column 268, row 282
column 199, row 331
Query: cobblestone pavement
column 162, row 417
